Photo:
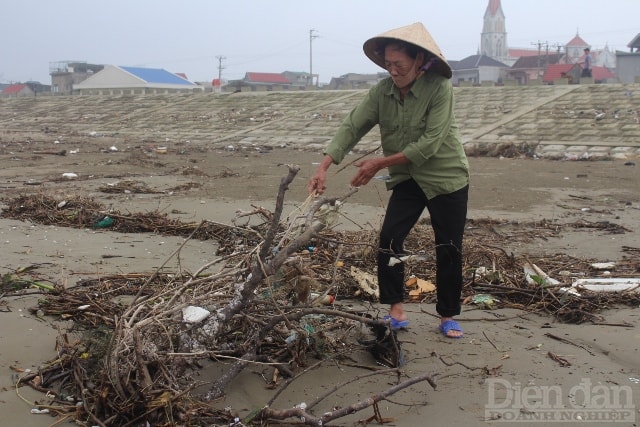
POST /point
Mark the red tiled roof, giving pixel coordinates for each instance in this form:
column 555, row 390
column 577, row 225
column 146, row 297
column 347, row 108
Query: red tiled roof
column 556, row 71
column 601, row 73
column 577, row 41
column 14, row 88
column 518, row 53
column 267, row 78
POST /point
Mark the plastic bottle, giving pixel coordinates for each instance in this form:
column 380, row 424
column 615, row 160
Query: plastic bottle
column 105, row 222
column 317, row 299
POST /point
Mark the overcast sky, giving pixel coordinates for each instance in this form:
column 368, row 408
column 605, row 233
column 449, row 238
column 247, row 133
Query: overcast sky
column 274, row 36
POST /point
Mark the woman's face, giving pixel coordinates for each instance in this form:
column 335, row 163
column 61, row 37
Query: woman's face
column 402, row 68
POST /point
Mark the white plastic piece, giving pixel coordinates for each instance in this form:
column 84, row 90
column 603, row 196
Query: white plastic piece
column 193, row 314
column 603, row 265
column 608, row 284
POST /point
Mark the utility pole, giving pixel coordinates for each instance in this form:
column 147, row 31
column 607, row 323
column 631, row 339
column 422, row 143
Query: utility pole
column 540, row 44
column 558, row 47
column 220, row 68
column 311, row 37
column 547, row 54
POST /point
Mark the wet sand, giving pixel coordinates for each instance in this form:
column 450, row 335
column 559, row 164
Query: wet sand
column 514, row 344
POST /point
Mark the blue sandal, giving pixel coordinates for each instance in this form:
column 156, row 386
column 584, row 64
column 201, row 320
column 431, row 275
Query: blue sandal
column 450, row 325
column 395, row 323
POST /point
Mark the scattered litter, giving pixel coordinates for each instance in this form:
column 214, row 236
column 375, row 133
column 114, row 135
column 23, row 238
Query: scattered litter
column 491, row 276
column 329, row 214
column 608, row 284
column 535, row 276
column 603, row 265
column 406, row 259
column 367, row 282
column 485, row 301
column 193, row 314
column 291, row 338
column 69, row 175
column 570, row 291
column 317, row 299
column 419, row 287
column 105, row 222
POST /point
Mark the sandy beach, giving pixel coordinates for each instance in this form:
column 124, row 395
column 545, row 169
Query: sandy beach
column 503, row 350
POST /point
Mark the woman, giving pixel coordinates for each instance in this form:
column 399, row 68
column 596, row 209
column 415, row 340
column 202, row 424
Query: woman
column 423, row 153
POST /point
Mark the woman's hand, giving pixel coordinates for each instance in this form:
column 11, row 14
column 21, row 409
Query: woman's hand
column 367, row 169
column 317, row 182
column 370, row 167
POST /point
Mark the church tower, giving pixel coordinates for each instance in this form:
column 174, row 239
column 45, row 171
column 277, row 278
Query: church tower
column 493, row 41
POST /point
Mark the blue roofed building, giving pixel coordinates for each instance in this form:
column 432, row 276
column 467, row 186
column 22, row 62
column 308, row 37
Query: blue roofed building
column 121, row 80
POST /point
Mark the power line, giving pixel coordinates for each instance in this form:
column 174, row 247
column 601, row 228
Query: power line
column 540, row 44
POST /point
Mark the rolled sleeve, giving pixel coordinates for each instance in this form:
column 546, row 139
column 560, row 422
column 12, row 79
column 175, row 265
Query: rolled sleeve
column 356, row 125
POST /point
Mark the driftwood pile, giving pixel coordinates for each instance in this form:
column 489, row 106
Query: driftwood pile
column 140, row 340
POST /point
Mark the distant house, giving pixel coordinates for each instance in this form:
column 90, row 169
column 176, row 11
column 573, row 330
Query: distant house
column 602, row 75
column 628, row 66
column 64, row 74
column 635, row 44
column 476, row 69
column 120, row 80
column 571, row 72
column 253, row 81
column 628, row 63
column 298, row 78
column 356, row 81
column 528, row 68
column 17, row 90
column 31, row 88
column 557, row 73
column 266, row 78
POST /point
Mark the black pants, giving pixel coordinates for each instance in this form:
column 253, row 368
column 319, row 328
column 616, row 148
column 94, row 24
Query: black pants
column 448, row 214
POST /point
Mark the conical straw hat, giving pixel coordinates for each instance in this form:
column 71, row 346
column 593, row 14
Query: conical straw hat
column 415, row 34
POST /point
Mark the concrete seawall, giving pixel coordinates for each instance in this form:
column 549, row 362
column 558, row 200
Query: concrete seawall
column 587, row 122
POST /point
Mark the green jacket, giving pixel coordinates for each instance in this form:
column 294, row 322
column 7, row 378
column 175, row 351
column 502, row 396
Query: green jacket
column 423, row 127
